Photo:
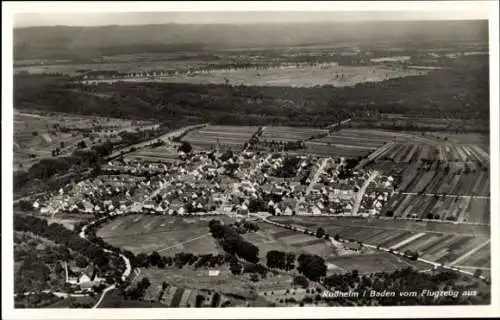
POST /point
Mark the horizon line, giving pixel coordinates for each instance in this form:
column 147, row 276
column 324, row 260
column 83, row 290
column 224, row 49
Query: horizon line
column 254, row 23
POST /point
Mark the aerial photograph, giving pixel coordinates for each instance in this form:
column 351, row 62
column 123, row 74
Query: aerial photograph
column 250, row 159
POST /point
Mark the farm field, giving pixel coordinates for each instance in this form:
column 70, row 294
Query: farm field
column 323, row 149
column 377, row 262
column 461, row 209
column 165, row 234
column 352, row 143
column 177, row 297
column 164, row 154
column 233, row 137
column 439, row 242
column 373, row 135
column 470, row 184
column 285, row 134
column 294, row 76
column 445, row 248
column 482, row 140
column 480, row 257
column 449, row 152
column 384, row 224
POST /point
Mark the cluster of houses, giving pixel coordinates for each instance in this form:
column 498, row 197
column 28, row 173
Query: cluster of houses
column 127, row 166
column 101, row 194
column 83, row 279
column 208, row 182
column 377, row 194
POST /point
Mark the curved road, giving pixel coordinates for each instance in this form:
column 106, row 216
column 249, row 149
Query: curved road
column 128, row 265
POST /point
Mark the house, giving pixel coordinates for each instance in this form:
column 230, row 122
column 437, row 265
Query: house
column 213, row 273
column 353, row 246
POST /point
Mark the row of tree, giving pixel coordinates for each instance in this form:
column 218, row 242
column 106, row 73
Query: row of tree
column 232, row 242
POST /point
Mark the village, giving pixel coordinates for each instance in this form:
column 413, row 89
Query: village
column 225, row 182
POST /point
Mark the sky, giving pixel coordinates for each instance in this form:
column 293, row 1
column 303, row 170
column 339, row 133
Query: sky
column 98, row 16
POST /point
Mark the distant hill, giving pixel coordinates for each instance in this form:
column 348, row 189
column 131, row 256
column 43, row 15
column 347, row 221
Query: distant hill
column 74, row 42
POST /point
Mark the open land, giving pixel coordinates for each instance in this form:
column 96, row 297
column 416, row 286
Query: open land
column 443, row 243
column 168, row 235
column 294, row 76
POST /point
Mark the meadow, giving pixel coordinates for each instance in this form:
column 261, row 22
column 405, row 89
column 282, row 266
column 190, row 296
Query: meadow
column 165, row 234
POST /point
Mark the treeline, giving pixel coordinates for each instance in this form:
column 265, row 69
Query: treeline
column 280, row 260
column 232, row 242
column 178, row 260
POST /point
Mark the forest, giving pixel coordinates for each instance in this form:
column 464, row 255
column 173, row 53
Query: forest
column 460, row 91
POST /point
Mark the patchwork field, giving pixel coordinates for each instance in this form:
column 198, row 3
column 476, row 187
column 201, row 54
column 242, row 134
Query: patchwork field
column 445, row 248
column 173, row 296
column 440, row 242
column 165, row 234
column 233, row 137
column 384, row 224
column 189, row 278
column 460, row 209
column 352, row 143
column 449, row 152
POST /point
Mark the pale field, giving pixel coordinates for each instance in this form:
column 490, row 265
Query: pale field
column 300, row 76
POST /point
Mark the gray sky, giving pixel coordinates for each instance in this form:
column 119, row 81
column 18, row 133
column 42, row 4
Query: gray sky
column 140, row 18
